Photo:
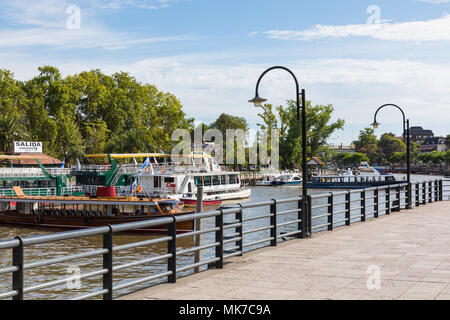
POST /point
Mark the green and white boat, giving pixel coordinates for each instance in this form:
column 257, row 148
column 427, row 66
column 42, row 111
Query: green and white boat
column 35, row 180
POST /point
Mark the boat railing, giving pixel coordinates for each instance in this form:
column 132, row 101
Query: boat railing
column 9, row 192
column 59, row 171
column 69, row 190
column 130, row 168
column 21, row 173
column 227, row 232
column 91, row 168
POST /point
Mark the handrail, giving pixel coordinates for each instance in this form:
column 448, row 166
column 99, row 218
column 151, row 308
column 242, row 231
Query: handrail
column 232, row 236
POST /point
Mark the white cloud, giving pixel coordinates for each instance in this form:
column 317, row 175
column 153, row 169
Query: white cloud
column 44, row 23
column 355, row 87
column 143, row 4
column 428, row 30
column 434, row 1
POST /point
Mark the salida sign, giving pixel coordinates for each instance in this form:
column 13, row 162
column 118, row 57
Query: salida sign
column 27, row 146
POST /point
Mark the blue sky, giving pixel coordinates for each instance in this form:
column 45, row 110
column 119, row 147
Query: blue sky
column 210, row 53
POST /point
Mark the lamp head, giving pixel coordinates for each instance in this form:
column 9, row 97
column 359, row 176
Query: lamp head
column 375, row 124
column 257, row 101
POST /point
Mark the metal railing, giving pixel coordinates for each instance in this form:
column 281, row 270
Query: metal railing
column 9, row 192
column 231, row 233
column 21, row 173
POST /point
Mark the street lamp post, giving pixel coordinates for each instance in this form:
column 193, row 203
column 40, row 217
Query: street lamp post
column 257, row 101
column 375, row 124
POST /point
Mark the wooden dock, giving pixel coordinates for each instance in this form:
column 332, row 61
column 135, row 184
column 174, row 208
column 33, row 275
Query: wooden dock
column 408, row 250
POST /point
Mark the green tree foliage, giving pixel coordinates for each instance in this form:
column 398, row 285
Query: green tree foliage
column 389, row 145
column 356, row 158
column 319, row 129
column 447, row 141
column 368, row 143
column 88, row 112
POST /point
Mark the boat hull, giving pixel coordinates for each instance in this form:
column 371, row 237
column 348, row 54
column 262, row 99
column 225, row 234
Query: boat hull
column 288, row 183
column 349, row 185
column 193, row 202
column 82, row 222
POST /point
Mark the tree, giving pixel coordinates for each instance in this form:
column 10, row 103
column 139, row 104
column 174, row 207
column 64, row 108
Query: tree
column 368, row 143
column 447, row 141
column 319, row 129
column 389, row 144
column 11, row 129
column 89, row 111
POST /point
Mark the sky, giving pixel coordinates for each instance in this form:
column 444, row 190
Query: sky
column 354, row 54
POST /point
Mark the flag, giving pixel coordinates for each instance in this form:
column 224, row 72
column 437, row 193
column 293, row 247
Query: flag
column 146, row 163
column 78, row 165
column 62, row 165
column 133, row 185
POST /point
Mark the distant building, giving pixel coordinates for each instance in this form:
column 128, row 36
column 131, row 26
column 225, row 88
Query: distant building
column 44, row 159
column 433, row 144
column 342, row 149
column 419, row 134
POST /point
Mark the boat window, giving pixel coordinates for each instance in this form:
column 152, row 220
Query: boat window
column 207, row 180
column 222, row 179
column 169, row 179
column 232, row 179
column 216, row 180
column 198, row 181
column 157, row 182
column 296, row 178
column 189, row 187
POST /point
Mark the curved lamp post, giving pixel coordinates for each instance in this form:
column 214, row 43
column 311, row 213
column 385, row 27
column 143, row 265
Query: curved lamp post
column 258, row 101
column 375, row 124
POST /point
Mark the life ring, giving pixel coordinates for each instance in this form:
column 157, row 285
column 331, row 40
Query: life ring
column 147, row 169
column 163, row 169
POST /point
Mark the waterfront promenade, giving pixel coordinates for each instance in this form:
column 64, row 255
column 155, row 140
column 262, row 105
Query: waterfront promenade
column 410, row 248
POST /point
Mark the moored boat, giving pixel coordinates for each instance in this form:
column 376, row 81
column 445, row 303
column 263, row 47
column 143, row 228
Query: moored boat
column 366, row 177
column 287, row 179
column 85, row 212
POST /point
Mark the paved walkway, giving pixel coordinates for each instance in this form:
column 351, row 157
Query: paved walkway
column 410, row 248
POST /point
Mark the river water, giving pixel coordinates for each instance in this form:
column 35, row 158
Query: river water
column 71, row 290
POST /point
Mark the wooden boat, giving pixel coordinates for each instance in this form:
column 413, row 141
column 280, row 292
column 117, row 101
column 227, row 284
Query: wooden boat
column 84, row 212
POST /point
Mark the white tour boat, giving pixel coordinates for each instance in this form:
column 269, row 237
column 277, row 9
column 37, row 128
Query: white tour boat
column 180, row 181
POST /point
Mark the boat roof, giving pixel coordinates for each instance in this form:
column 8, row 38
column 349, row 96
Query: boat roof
column 195, row 174
column 142, row 155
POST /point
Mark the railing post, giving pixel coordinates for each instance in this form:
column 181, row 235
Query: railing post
column 302, row 217
column 363, row 205
column 239, row 230
column 430, row 191
column 17, row 276
column 424, row 192
column 409, row 196
column 436, row 190
column 273, row 223
column 388, row 200
column 440, row 189
column 377, row 202
column 397, row 192
column 219, row 239
column 172, row 249
column 330, row 211
column 309, row 216
column 417, row 194
column 347, row 208
column 108, row 264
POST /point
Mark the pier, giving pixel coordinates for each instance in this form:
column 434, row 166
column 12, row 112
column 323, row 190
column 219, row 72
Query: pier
column 318, row 247
column 410, row 248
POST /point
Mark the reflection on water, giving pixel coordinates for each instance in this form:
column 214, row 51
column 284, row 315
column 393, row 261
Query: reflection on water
column 59, row 271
